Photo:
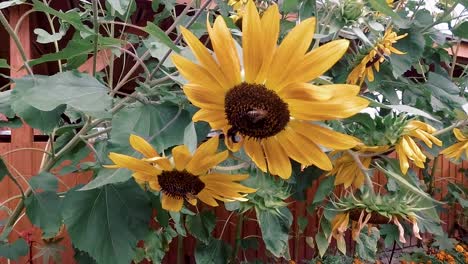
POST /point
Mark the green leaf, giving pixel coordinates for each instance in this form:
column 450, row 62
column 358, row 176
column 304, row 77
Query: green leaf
column 4, row 63
column 157, row 244
column 366, row 246
column 159, row 34
column 108, row 222
column 44, row 210
column 275, row 226
column 80, row 91
column 72, row 17
column 5, row 104
column 45, row 37
column 6, row 4
column 302, row 180
column 322, row 243
column 44, row 181
column 162, row 124
column 461, row 30
column 444, row 242
column 413, row 110
column 107, row 176
column 15, row 122
column 290, row 6
column 382, row 7
column 249, row 243
column 302, row 222
column 444, row 90
column 390, row 233
column 190, row 137
column 325, row 188
column 121, row 6
column 217, row 251
column 178, row 223
column 201, row 225
column 14, row 250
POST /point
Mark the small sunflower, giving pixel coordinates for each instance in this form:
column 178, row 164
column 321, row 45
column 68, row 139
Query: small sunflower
column 456, row 150
column 376, row 56
column 265, row 104
column 407, row 148
column 185, row 176
column 347, row 172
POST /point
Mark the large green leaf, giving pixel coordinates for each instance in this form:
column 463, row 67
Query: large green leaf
column 157, row 244
column 14, row 250
column 76, row 47
column 108, row 222
column 44, row 210
column 444, row 90
column 44, row 181
column 461, row 30
column 366, row 245
column 5, row 104
column 217, row 251
column 162, row 124
column 201, row 225
column 80, row 91
column 275, row 226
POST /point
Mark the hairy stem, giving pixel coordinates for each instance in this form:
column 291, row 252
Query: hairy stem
column 240, row 223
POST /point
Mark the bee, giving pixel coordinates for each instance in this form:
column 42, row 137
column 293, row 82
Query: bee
column 254, row 116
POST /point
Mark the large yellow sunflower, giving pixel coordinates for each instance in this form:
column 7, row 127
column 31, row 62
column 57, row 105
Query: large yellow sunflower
column 185, row 176
column 456, row 150
column 265, row 103
column 347, row 172
column 376, row 56
column 407, row 148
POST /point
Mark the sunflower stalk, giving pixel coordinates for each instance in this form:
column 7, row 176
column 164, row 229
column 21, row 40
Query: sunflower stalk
column 239, row 225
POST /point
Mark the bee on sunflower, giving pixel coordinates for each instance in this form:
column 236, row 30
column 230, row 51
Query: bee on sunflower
column 266, row 104
column 456, row 150
column 184, row 176
column 407, row 148
column 376, row 56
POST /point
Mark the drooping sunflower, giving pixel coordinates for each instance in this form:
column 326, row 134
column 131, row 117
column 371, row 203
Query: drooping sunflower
column 407, row 148
column 185, row 176
column 383, row 47
column 456, row 150
column 347, row 172
column 264, row 105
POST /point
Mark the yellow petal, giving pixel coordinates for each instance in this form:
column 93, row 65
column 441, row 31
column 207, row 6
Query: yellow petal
column 289, row 54
column 144, row 176
column 204, row 150
column 204, row 98
column 192, row 201
column 204, row 57
column 181, row 156
column 326, row 110
column 224, row 177
column 142, row 146
column 207, row 198
column 255, row 151
column 459, row 135
column 225, row 50
column 278, row 161
column 200, row 166
column 417, row 151
column 131, row 163
column 154, row 184
column 324, row 136
column 318, row 61
column 404, row 165
column 251, row 46
column 228, row 189
column 270, row 27
column 215, row 118
column 171, row 204
column 306, row 91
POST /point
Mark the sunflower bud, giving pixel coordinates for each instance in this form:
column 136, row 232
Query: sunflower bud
column 352, row 9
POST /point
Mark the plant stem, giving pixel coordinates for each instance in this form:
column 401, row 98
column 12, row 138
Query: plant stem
column 240, row 223
column 21, row 149
column 15, row 38
column 180, row 249
column 52, row 28
column 96, row 35
column 363, row 169
column 432, row 183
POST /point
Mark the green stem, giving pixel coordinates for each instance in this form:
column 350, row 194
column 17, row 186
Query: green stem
column 180, row 249
column 52, row 28
column 15, row 38
column 432, row 182
column 240, row 223
column 96, row 35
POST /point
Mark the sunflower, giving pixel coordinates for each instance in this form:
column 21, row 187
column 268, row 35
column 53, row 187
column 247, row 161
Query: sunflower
column 347, row 172
column 185, row 176
column 456, row 150
column 407, row 148
column 376, row 56
column 264, row 105
column 238, row 6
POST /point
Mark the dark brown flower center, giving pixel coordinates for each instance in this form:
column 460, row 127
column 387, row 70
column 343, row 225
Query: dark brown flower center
column 180, row 184
column 255, row 111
